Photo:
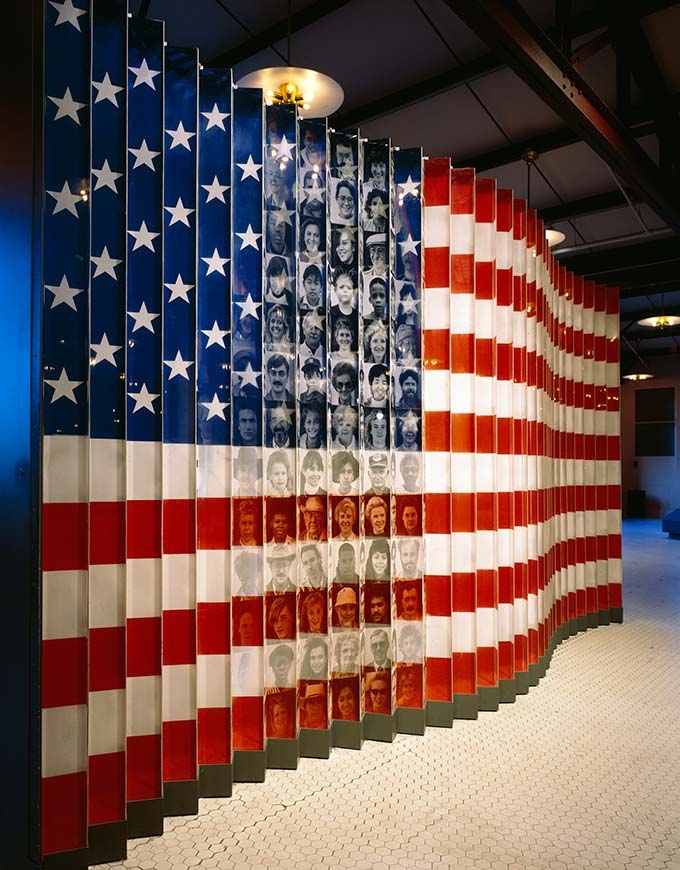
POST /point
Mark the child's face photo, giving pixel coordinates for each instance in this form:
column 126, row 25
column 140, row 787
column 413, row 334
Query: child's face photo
column 278, row 476
column 379, row 387
column 378, row 299
column 344, row 290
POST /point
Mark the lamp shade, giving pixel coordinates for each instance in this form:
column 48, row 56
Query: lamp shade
column 316, row 94
column 554, row 237
column 660, row 321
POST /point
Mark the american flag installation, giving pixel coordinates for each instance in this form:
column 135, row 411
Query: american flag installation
column 330, row 440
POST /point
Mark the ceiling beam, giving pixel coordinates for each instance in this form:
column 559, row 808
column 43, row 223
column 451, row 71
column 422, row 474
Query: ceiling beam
column 648, row 333
column 649, row 311
column 298, row 21
column 586, row 205
column 654, row 265
column 514, row 36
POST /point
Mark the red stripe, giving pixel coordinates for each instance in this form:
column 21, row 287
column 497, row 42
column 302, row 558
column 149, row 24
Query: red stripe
column 436, row 429
column 144, row 767
column 436, row 267
column 462, row 433
column 179, row 637
column 179, row 751
column 107, row 658
column 438, row 679
column 436, row 349
column 64, row 536
column 462, row 191
column 438, row 595
column 464, row 674
column 179, row 529
column 64, row 672
column 462, row 273
column 462, row 353
column 213, row 628
column 486, row 434
column 436, row 187
column 63, row 813
column 107, row 533
column 213, row 521
column 464, row 595
column 247, row 723
column 462, row 512
column 144, row 646
column 214, row 735
column 487, row 666
column 106, row 788
column 438, row 512
column 144, row 529
column 487, row 588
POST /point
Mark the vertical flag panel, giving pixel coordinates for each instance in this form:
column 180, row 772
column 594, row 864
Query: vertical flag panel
column 144, row 432
column 407, row 380
column 579, row 492
column 180, row 787
column 601, row 503
column 213, row 419
column 66, row 258
column 436, row 470
column 463, row 445
column 590, row 504
column 247, row 611
column 106, row 706
column 614, row 457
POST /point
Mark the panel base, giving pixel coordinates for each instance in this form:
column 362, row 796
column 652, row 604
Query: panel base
column 616, row 615
column 488, row 698
column 282, row 754
column 507, row 691
column 410, row 720
column 215, row 780
column 522, row 682
column 347, row 735
column 107, row 842
column 76, row 859
column 145, row 818
column 536, row 672
column 379, row 726
column 582, row 622
column 593, row 620
column 465, row 706
column 439, row 714
column 315, row 743
column 604, row 617
column 180, row 798
column 249, row 766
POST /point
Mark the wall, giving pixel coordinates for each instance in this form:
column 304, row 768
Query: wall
column 659, row 476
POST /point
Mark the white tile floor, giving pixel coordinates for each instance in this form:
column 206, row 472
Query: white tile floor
column 582, row 772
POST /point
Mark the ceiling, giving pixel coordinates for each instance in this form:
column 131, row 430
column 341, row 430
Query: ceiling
column 592, row 85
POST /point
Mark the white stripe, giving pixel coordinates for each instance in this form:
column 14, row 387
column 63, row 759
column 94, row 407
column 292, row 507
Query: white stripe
column 437, row 554
column 504, row 324
column 435, row 305
column 462, row 234
column 64, row 604
column 65, row 468
column 247, row 674
column 504, row 473
column 462, row 391
column 213, row 680
column 106, row 722
column 487, row 628
column 462, row 313
column 179, row 692
column 437, row 471
column 436, row 226
column 143, row 588
column 214, row 471
column 485, row 318
column 438, row 637
column 505, row 547
column 532, row 613
column 463, row 472
column 464, row 632
column 485, row 399
column 64, row 740
column 485, row 472
column 107, row 595
column 519, row 256
column 504, row 397
column 521, row 622
column 485, row 237
column 463, row 552
column 143, row 696
column 144, row 470
column 506, row 622
column 179, row 581
column 213, row 572
column 503, row 249
column 107, row 469
column 179, row 471
column 436, row 390
column 487, row 557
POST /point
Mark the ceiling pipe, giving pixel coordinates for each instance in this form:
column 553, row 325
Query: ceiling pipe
column 601, row 243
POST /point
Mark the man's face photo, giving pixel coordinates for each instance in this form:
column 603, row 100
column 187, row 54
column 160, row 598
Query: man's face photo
column 279, row 527
column 377, row 608
column 409, row 388
column 276, row 234
column 380, row 647
column 346, row 564
column 410, row 473
column 343, row 155
column 311, row 563
column 409, row 558
column 410, row 608
column 377, row 296
column 247, row 426
column 278, row 379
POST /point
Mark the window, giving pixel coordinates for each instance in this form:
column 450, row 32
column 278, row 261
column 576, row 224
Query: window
column 655, row 422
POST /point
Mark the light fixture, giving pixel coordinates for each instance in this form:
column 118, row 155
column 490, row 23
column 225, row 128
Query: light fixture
column 313, row 92
column 660, row 321
column 637, row 376
column 552, row 237
column 640, row 372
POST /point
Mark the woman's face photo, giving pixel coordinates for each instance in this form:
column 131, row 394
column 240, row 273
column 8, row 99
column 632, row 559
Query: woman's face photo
column 318, row 660
column 345, row 200
column 315, row 617
column 346, row 477
column 313, row 471
column 345, row 248
column 346, row 703
column 278, row 328
column 378, row 520
column 278, row 476
column 283, row 623
column 379, row 563
column 347, row 663
column 311, row 239
column 409, row 647
column 378, row 346
column 312, row 429
column 345, row 522
column 343, row 338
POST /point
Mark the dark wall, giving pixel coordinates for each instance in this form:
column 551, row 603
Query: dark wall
column 19, row 427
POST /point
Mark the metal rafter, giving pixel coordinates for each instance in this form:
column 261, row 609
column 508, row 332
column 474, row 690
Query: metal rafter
column 586, row 205
column 513, row 35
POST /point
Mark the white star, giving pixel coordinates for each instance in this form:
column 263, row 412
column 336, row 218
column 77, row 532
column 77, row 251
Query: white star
column 249, row 307
column 215, row 190
column 215, row 118
column 143, row 75
column 68, row 13
column 409, row 246
column 67, row 107
column 63, row 387
column 65, row 200
column 64, row 294
column 144, row 399
column 409, row 305
column 313, row 192
column 215, row 408
column 284, row 148
column 249, row 238
column 143, row 318
column 104, row 351
column 215, row 335
column 215, row 263
column 180, row 136
column 105, row 264
column 409, row 187
column 282, row 215
column 179, row 290
column 178, row 366
column 179, row 213
column 249, row 376
column 143, row 156
column 250, row 169
column 143, row 237
column 106, row 90
column 106, row 177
